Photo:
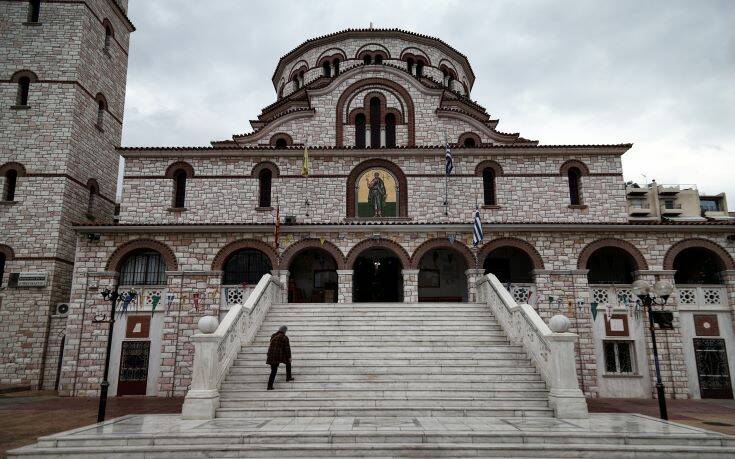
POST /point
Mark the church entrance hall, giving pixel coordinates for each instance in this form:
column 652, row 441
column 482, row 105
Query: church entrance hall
column 377, row 277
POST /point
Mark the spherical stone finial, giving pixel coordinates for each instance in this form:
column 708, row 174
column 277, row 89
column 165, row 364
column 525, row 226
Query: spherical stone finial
column 208, row 324
column 559, row 324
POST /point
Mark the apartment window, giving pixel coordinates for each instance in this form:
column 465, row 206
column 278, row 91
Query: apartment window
column 619, row 357
column 709, row 205
column 669, row 204
column 34, row 10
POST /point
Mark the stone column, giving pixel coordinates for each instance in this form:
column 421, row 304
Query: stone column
column 728, row 277
column 382, row 136
column 473, row 275
column 410, row 285
column 570, row 285
column 344, row 285
column 368, row 137
column 669, row 344
column 282, row 276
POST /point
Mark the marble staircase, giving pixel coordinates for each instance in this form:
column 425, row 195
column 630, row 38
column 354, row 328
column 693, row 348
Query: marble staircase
column 385, row 360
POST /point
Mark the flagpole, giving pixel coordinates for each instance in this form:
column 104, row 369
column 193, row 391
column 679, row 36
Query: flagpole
column 446, row 194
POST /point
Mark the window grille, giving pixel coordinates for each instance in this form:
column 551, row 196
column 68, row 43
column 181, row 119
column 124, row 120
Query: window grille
column 618, row 357
column 144, row 268
column 245, row 266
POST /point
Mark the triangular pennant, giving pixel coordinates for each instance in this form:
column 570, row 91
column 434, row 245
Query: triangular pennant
column 593, row 308
column 155, row 298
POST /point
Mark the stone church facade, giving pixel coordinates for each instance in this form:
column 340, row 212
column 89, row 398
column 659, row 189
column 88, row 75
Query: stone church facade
column 374, row 218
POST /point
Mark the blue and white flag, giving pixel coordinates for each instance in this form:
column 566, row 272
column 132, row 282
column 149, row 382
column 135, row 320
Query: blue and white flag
column 449, row 166
column 477, row 228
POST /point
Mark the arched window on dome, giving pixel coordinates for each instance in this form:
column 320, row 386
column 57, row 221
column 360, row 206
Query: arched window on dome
column 326, row 69
column 360, row 131
column 419, row 69
column 469, row 142
column 390, row 130
column 378, row 59
column 265, row 179
column 180, row 177
column 368, row 59
column 335, row 64
column 574, row 176
column 245, row 266
column 143, row 267
column 488, row 186
column 375, row 122
column 281, row 143
column 409, row 65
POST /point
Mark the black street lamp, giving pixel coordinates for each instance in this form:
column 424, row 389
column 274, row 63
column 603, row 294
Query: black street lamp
column 650, row 295
column 112, row 297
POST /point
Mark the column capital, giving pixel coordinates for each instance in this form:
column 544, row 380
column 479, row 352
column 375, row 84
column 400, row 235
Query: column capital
column 345, row 272
column 655, row 272
column 410, row 272
column 474, row 271
column 569, row 272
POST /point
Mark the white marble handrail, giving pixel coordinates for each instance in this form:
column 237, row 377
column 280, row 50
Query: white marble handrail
column 215, row 352
column 552, row 353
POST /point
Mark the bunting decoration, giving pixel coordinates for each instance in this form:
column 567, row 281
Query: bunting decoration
column 127, row 298
column 451, row 238
column 593, row 308
column 322, row 239
column 155, row 298
column 170, row 297
column 195, row 299
column 608, row 311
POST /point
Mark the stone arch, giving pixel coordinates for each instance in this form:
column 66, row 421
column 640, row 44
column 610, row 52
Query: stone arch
column 442, row 243
column 385, row 164
column 564, row 169
column 17, row 167
column 379, row 243
column 108, row 26
column 414, row 52
column 7, row 251
column 329, row 55
column 309, row 243
column 372, row 48
column 15, row 78
column 114, row 263
column 232, row 247
column 299, row 66
column 280, row 135
column 186, row 167
column 410, row 118
column 494, row 165
column 674, row 250
column 469, row 135
column 520, row 244
column 586, row 253
column 265, row 165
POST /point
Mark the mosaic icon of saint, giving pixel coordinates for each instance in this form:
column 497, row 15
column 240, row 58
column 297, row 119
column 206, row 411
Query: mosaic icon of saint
column 376, row 194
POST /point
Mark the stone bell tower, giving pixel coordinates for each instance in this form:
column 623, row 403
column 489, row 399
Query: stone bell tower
column 62, row 89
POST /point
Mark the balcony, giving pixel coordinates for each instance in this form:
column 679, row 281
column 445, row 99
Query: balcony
column 701, row 297
column 673, row 190
column 671, row 210
column 639, row 209
column 636, row 191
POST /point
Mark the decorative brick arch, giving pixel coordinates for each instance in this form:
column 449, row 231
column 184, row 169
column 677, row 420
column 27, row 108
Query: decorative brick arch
column 469, row 135
column 312, row 243
column 372, row 48
column 442, row 243
column 586, row 253
column 225, row 252
column 17, row 167
column 186, row 167
column 564, row 169
column 410, row 117
column 114, row 263
column 674, row 250
column 387, row 244
column 520, row 244
column 336, row 53
column 280, row 135
column 415, row 53
column 390, row 167
column 7, row 251
column 494, row 165
column 265, row 165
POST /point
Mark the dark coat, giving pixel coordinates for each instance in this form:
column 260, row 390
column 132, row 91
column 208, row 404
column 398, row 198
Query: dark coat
column 279, row 350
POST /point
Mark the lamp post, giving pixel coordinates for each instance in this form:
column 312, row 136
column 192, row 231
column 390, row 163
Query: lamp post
column 112, row 297
column 649, row 295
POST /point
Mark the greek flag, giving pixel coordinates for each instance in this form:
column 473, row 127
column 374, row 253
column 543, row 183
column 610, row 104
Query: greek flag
column 448, row 156
column 477, row 228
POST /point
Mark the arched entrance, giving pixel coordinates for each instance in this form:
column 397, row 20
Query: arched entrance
column 312, row 277
column 377, row 276
column 698, row 265
column 442, row 276
column 611, row 265
column 510, row 265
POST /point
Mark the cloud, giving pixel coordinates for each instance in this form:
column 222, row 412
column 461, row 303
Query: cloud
column 657, row 74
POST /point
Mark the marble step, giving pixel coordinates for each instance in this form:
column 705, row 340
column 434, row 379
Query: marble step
column 457, row 329
column 489, row 360
column 387, row 341
column 392, row 384
column 262, row 369
column 440, row 334
column 438, row 402
column 395, row 410
column 246, row 391
column 276, row 316
column 406, row 348
column 520, row 378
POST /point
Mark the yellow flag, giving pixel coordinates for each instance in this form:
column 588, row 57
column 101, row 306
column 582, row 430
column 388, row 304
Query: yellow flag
column 305, row 166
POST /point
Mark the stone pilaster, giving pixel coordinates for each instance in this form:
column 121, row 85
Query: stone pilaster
column 473, row 275
column 728, row 277
column 570, row 286
column 669, row 343
column 282, row 276
column 344, row 285
column 410, row 285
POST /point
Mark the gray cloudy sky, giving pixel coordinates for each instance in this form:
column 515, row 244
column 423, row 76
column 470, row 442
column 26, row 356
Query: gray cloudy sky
column 659, row 74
